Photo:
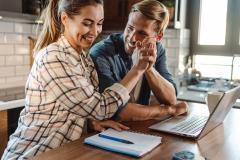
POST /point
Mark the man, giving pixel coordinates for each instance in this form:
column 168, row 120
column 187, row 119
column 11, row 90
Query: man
column 115, row 56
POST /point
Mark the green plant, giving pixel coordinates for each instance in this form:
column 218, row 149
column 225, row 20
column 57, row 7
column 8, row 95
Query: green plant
column 168, row 3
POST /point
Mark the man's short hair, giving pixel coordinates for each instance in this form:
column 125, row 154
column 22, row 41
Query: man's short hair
column 153, row 10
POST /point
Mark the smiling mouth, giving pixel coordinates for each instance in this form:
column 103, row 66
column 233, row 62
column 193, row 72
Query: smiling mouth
column 88, row 38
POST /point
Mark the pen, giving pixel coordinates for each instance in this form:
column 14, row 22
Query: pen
column 115, row 139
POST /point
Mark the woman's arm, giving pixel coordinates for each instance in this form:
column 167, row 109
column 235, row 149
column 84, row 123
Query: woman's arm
column 104, row 124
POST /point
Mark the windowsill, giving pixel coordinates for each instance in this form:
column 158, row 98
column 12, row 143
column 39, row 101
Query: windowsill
column 196, row 96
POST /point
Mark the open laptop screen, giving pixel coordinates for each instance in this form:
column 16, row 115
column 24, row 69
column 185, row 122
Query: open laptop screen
column 221, row 110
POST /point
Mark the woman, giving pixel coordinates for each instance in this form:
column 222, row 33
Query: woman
column 62, row 88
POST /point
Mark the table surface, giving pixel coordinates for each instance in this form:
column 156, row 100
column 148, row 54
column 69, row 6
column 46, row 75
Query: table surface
column 220, row 144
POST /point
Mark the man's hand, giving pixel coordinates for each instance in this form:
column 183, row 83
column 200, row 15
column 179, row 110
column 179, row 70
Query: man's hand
column 149, row 44
column 178, row 109
column 140, row 57
column 103, row 125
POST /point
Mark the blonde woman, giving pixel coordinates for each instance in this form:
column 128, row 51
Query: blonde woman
column 62, row 88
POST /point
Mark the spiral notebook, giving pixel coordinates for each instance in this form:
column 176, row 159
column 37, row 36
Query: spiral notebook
column 114, row 141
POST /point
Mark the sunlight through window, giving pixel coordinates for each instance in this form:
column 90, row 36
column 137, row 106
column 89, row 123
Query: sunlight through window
column 218, row 66
column 213, row 19
column 236, row 66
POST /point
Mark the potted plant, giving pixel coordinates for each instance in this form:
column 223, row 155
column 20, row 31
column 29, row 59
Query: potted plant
column 170, row 4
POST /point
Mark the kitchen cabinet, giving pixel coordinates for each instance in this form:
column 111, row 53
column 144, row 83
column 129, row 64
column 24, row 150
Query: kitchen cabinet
column 3, row 131
column 11, row 102
column 8, row 124
column 116, row 13
column 33, row 6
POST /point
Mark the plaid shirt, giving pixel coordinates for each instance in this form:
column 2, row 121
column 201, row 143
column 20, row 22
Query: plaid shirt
column 61, row 92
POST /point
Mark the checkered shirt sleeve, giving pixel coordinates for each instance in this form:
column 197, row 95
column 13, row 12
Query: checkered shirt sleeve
column 61, row 92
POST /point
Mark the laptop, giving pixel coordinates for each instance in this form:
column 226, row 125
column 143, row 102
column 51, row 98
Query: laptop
column 197, row 126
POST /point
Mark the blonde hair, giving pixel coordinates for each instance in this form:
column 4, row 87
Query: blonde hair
column 51, row 15
column 153, row 10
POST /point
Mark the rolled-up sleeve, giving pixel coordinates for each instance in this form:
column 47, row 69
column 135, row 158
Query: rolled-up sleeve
column 76, row 93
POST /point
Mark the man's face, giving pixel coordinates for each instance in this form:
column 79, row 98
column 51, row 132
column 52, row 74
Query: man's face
column 138, row 28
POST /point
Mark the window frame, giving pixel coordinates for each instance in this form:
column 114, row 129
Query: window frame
column 231, row 46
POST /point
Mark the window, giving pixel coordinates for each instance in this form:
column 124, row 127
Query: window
column 212, row 25
column 225, row 67
column 215, row 33
column 236, row 68
column 215, row 27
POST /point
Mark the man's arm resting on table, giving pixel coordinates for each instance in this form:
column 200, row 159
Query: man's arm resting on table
column 162, row 89
column 137, row 112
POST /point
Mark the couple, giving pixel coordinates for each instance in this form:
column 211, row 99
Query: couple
column 64, row 88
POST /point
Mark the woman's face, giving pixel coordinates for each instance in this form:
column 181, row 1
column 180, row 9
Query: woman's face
column 81, row 30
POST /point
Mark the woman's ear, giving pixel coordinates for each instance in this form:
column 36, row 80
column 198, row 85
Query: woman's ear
column 64, row 18
column 159, row 36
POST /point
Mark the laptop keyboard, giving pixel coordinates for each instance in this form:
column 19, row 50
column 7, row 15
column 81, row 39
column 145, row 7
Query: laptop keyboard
column 191, row 125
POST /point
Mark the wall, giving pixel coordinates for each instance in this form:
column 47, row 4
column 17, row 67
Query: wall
column 14, row 53
column 14, row 93
column 177, row 44
column 11, row 5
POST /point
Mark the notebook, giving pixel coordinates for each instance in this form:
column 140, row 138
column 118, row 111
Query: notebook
column 197, row 126
column 142, row 143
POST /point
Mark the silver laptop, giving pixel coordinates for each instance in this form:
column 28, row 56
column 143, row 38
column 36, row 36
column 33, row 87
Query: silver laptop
column 196, row 126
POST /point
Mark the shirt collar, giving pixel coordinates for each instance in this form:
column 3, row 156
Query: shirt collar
column 63, row 42
column 122, row 51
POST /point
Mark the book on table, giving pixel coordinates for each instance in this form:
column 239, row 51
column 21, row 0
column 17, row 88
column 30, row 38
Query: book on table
column 125, row 142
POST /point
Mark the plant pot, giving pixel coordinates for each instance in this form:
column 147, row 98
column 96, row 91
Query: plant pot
column 171, row 13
